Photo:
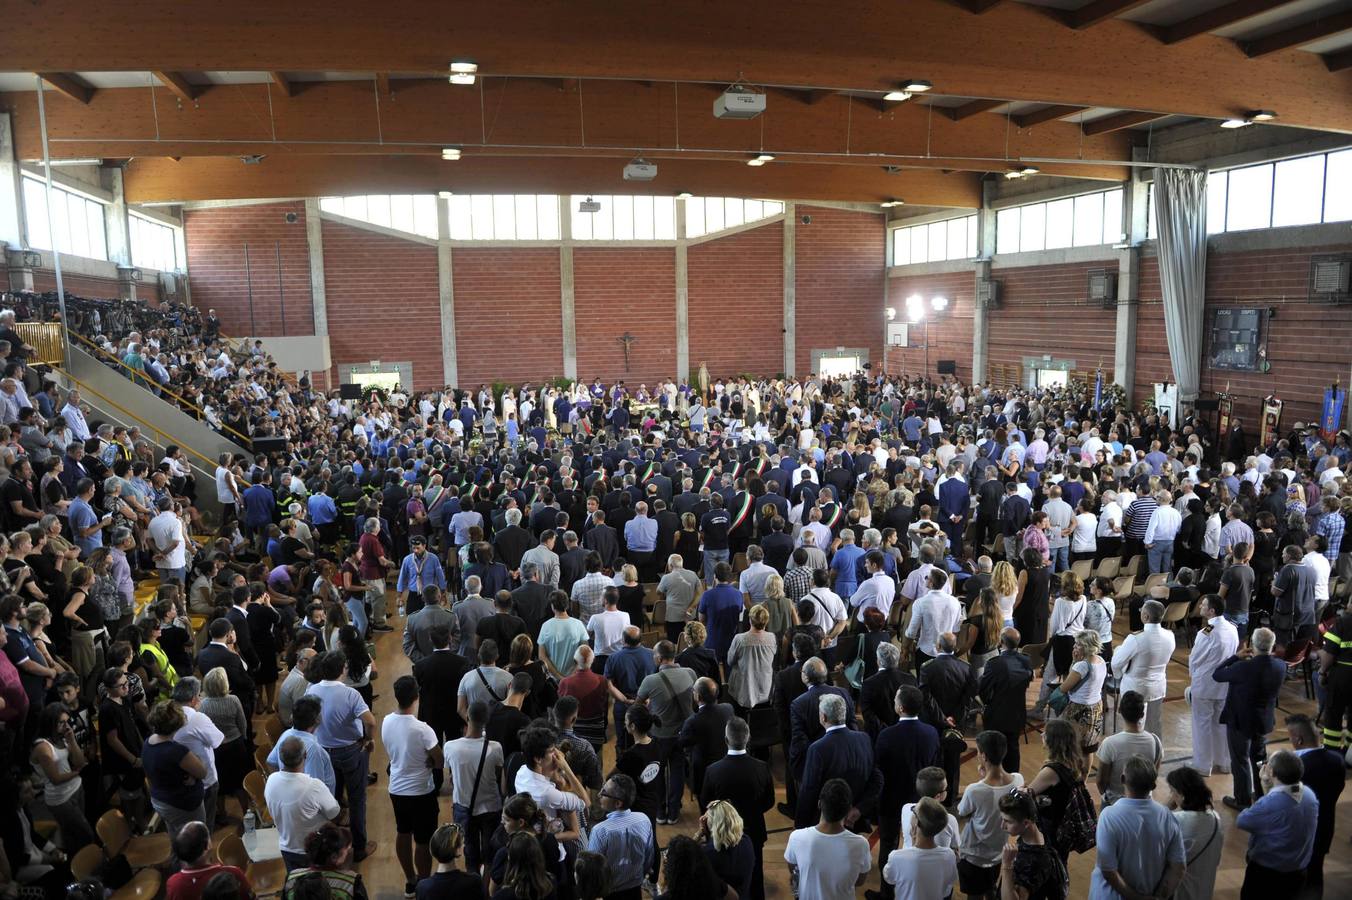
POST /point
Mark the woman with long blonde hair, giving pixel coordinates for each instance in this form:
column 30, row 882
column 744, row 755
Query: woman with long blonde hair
column 727, row 846
column 979, row 634
column 1006, row 586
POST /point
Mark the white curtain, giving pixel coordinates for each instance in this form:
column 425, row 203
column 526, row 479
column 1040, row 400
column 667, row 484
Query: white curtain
column 1180, row 220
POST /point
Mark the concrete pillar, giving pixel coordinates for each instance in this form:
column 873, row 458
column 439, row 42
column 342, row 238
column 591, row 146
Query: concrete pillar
column 682, row 296
column 985, row 249
column 127, row 279
column 20, row 266
column 11, row 188
column 566, row 294
column 450, row 364
column 116, row 222
column 790, row 287
column 314, row 239
column 1134, row 226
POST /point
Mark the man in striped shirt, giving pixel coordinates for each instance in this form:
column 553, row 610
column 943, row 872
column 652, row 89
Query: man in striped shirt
column 1138, row 520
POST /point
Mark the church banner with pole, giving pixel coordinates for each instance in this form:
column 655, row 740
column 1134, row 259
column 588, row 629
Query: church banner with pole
column 1331, row 413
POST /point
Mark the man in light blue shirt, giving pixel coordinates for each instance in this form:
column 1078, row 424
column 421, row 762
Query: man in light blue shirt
column 462, row 522
column 1281, row 826
column 1140, row 844
column 419, row 570
column 843, row 564
column 323, row 514
column 84, row 522
column 305, row 715
column 640, row 538
column 755, row 575
column 345, row 730
column 623, row 837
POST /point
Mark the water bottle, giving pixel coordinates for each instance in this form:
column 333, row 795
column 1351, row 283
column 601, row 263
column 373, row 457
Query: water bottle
column 401, row 608
column 249, row 821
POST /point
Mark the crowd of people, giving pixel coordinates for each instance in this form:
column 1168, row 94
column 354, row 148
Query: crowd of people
column 615, row 603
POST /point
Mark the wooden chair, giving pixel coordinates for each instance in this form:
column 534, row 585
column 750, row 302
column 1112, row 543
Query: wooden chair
column 1037, row 654
column 253, row 786
column 87, row 863
column 261, row 758
column 273, row 728
column 1084, row 568
column 267, row 876
column 1109, row 567
column 147, row 851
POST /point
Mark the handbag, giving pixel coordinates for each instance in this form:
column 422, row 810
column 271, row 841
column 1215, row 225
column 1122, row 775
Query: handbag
column 1058, row 701
column 854, row 672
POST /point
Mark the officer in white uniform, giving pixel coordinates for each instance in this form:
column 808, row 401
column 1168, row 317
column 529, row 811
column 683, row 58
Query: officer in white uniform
column 1216, row 642
column 1142, row 662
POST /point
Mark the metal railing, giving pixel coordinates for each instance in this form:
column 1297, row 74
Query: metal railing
column 45, row 339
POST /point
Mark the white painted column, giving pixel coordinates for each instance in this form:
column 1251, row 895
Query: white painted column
column 1134, row 226
column 567, row 296
column 790, row 287
column 450, row 364
column 985, row 249
column 11, row 193
column 682, row 296
column 117, row 224
column 314, row 239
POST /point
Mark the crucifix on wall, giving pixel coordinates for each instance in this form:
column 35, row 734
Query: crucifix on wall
column 626, row 340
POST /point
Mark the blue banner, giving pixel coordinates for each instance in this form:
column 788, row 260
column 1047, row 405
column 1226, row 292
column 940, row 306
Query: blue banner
column 1332, row 412
column 1098, row 391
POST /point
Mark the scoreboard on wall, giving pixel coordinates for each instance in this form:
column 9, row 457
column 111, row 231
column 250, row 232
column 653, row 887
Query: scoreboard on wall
column 1236, row 339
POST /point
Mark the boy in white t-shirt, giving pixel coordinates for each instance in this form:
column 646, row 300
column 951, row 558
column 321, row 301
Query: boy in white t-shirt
column 826, row 861
column 930, row 782
column 983, row 840
column 922, row 870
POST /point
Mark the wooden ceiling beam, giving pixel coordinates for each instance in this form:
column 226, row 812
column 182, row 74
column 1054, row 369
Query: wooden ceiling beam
column 284, row 83
column 68, row 85
column 1337, row 62
column 1119, row 122
column 1298, row 35
column 1050, row 114
column 1099, row 11
column 977, row 7
column 1214, row 19
column 178, row 85
column 383, row 84
column 967, row 110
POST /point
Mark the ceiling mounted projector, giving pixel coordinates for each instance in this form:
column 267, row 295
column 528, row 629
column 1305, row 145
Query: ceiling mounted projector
column 738, row 102
column 589, row 206
column 640, row 170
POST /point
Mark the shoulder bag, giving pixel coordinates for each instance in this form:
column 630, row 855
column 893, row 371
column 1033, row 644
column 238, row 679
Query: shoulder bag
column 854, row 672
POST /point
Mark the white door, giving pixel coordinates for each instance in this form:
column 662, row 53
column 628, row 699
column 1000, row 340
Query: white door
column 1052, row 378
column 837, row 366
column 386, row 381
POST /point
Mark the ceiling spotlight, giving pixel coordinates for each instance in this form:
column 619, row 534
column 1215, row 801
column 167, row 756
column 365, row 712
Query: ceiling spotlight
column 896, row 96
column 463, row 71
column 1236, row 123
column 760, row 160
column 916, row 85
column 1013, row 174
column 684, row 195
column 891, row 313
column 1261, row 115
column 450, row 154
column 888, row 204
column 764, row 157
column 1029, row 170
column 939, row 303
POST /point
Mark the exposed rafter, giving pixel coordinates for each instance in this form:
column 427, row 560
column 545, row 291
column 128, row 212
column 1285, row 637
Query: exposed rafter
column 1300, row 34
column 958, row 113
column 1336, row 62
column 1120, row 121
column 1099, row 11
column 1050, row 114
column 1213, row 19
column 283, row 82
column 179, row 85
column 977, row 7
column 69, row 85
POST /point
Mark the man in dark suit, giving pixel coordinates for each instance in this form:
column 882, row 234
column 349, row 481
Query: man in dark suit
column 747, row 784
column 702, row 734
column 988, row 497
column 668, row 526
column 532, row 600
column 513, row 541
column 1255, row 679
column 955, row 502
column 662, row 483
column 902, row 751
column 238, row 614
column 687, row 500
column 877, row 694
column 1003, row 690
column 788, row 686
column 572, row 563
column 602, row 540
column 438, row 675
column 805, row 718
column 838, row 753
column 950, row 683
column 221, row 652
column 1325, row 774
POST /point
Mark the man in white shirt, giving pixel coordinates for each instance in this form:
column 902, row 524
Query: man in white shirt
column 227, row 491
column 607, row 627
column 828, row 612
column 166, row 532
column 1314, row 559
column 1061, row 519
column 1216, row 642
column 934, row 614
column 475, row 764
column 1142, row 662
column 414, row 754
column 829, row 861
column 200, row 735
column 878, row 590
column 1160, row 533
column 298, row 803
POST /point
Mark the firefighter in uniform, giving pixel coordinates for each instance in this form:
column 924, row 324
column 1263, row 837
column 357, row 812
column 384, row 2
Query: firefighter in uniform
column 1335, row 666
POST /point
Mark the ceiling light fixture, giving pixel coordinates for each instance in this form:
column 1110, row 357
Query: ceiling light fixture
column 1261, row 115
column 916, row 85
column 1012, row 174
column 1029, row 170
column 896, row 96
column 684, row 195
column 445, row 195
column 888, row 204
column 760, row 159
column 1236, row 123
column 450, row 154
column 463, row 71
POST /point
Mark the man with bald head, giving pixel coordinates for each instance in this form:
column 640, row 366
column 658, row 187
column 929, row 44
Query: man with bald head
column 625, row 669
column 702, row 734
column 192, row 848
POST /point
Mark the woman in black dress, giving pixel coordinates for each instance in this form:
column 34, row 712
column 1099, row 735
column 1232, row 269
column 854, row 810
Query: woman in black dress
column 263, row 619
column 1032, row 607
column 687, row 544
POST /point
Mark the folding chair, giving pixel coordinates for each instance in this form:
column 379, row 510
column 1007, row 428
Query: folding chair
column 1083, row 568
column 1109, row 567
column 146, row 851
column 267, row 877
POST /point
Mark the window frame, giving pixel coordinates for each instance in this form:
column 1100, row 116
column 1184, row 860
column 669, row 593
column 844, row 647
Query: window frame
column 921, row 235
column 39, row 238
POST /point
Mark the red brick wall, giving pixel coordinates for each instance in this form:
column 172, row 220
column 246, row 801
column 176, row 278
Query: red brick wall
column 382, row 301
column 216, row 239
column 618, row 291
column 950, row 332
column 1043, row 310
column 508, row 317
column 736, row 302
column 90, row 286
column 840, row 266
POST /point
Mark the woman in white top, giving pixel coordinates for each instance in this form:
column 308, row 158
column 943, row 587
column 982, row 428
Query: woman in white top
column 1203, row 837
column 1006, row 586
column 1084, row 686
column 1083, row 542
column 751, row 660
column 57, row 761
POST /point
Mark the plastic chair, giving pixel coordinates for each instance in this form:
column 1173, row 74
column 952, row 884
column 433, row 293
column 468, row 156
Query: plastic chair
column 1133, row 568
column 1175, row 613
column 253, row 786
column 1122, row 586
column 267, row 876
column 1296, row 655
column 1154, row 580
column 1084, row 568
column 1037, row 654
column 1109, row 567
column 150, row 850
